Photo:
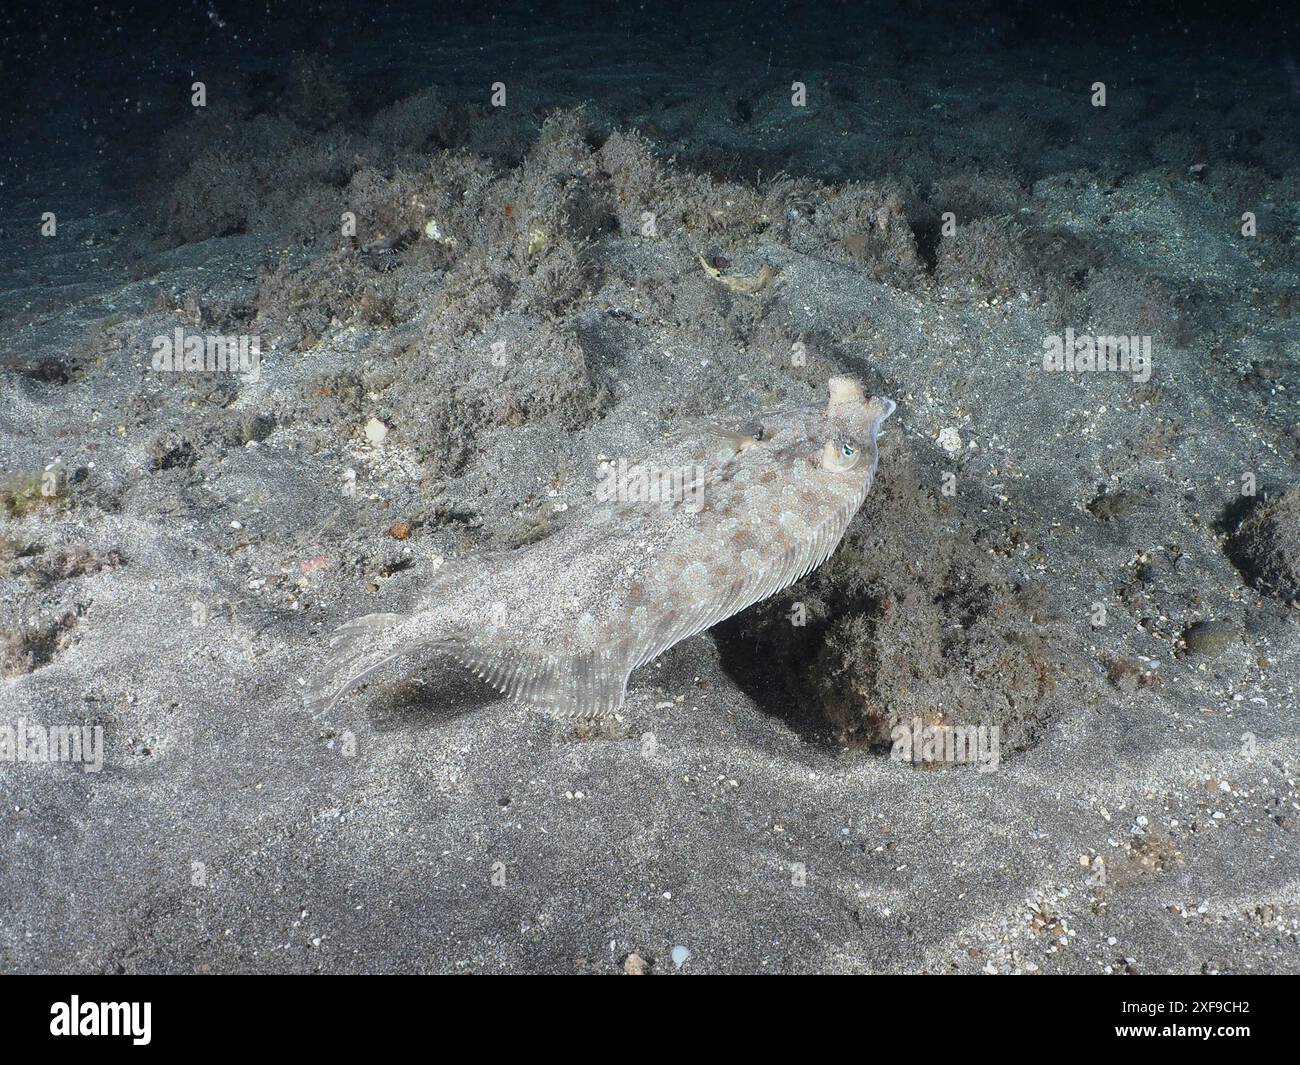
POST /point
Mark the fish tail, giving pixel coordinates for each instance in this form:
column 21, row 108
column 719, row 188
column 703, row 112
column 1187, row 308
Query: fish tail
column 357, row 649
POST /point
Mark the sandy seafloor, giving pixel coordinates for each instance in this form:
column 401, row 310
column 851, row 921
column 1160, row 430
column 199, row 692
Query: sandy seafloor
column 1142, row 818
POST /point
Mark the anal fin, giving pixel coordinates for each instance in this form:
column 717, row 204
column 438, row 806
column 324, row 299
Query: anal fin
column 583, row 685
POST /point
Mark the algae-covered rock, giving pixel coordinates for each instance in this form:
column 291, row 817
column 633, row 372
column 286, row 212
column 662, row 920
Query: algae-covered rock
column 1209, row 638
column 1266, row 547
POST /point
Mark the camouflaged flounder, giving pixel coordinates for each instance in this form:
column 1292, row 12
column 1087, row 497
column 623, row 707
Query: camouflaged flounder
column 562, row 623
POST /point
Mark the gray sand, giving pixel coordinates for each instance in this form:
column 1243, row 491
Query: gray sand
column 180, row 588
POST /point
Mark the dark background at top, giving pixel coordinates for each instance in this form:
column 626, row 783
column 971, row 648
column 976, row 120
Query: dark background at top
column 80, row 78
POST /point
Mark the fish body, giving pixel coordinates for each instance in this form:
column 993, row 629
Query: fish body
column 562, row 623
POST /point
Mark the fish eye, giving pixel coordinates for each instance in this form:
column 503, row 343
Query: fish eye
column 840, row 455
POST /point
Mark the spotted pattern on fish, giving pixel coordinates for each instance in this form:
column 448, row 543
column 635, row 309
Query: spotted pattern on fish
column 562, row 623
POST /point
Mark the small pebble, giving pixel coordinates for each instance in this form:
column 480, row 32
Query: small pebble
column 376, row 431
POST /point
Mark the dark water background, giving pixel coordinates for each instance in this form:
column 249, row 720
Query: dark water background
column 87, row 90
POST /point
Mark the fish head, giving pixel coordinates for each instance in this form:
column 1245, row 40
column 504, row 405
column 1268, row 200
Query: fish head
column 851, row 425
column 835, row 445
